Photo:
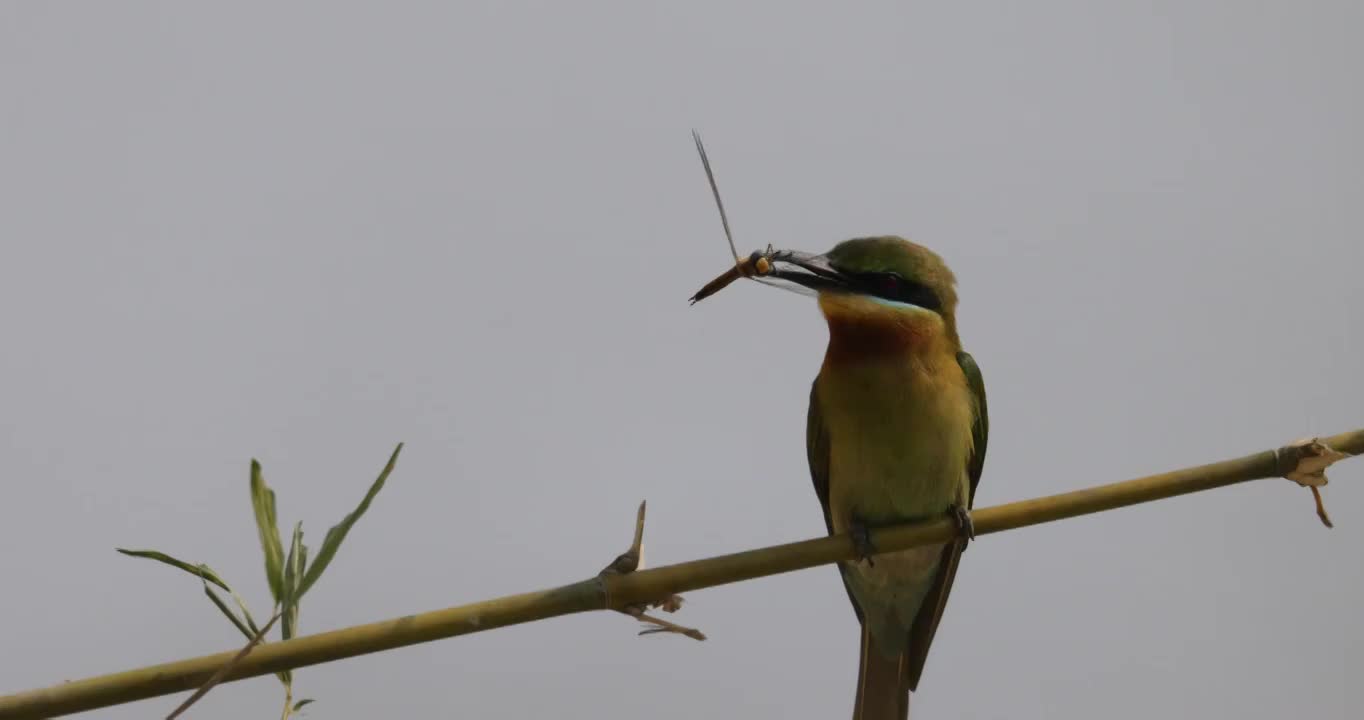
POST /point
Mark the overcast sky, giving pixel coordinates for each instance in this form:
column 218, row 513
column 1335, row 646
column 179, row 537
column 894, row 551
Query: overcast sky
column 304, row 232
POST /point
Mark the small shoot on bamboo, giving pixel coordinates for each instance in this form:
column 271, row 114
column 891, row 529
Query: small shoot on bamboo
column 632, row 560
column 289, row 575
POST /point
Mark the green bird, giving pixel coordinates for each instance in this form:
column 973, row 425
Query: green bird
column 896, row 431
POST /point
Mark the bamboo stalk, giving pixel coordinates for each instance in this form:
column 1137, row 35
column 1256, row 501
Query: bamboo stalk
column 615, row 592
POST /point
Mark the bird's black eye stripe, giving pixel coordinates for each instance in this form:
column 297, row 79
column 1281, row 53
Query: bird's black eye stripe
column 891, row 286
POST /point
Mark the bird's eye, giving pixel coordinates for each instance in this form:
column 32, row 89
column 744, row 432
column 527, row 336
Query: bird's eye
column 891, row 286
column 888, row 285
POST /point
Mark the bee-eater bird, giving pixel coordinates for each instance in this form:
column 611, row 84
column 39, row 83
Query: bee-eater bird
column 896, row 431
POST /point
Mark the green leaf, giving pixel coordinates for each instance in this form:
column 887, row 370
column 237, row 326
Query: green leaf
column 207, row 575
column 293, row 575
column 204, row 573
column 263, row 503
column 250, row 621
column 200, row 571
column 222, row 605
column 338, row 532
column 302, row 566
column 301, row 703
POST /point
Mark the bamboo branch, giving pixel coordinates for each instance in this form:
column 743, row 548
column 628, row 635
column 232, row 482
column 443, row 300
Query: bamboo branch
column 618, row 592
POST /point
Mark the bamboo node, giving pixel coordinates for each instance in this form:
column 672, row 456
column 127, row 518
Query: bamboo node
column 1304, row 462
column 630, row 561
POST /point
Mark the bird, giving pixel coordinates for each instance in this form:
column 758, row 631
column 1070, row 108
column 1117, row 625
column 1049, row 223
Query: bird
column 896, row 431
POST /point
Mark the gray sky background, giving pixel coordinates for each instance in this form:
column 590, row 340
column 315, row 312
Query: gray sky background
column 304, row 232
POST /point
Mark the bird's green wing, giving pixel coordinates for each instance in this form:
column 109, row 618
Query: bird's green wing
column 980, row 431
column 817, row 453
column 930, row 613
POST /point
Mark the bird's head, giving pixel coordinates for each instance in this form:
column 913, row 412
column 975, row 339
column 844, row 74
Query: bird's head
column 879, row 294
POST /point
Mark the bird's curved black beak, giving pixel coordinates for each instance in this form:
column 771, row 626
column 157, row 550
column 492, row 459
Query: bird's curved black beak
column 807, row 270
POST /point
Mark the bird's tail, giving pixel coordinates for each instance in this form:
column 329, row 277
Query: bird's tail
column 882, row 684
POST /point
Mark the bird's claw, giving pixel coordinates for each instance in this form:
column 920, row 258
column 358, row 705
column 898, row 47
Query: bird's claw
column 966, row 527
column 861, row 539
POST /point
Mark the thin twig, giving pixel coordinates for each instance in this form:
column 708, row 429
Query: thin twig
column 217, row 677
column 663, row 625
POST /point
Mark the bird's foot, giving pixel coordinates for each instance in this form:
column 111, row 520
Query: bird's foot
column 861, row 538
column 966, row 527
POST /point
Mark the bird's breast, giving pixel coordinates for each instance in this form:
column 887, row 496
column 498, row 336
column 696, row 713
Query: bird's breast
column 899, row 438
